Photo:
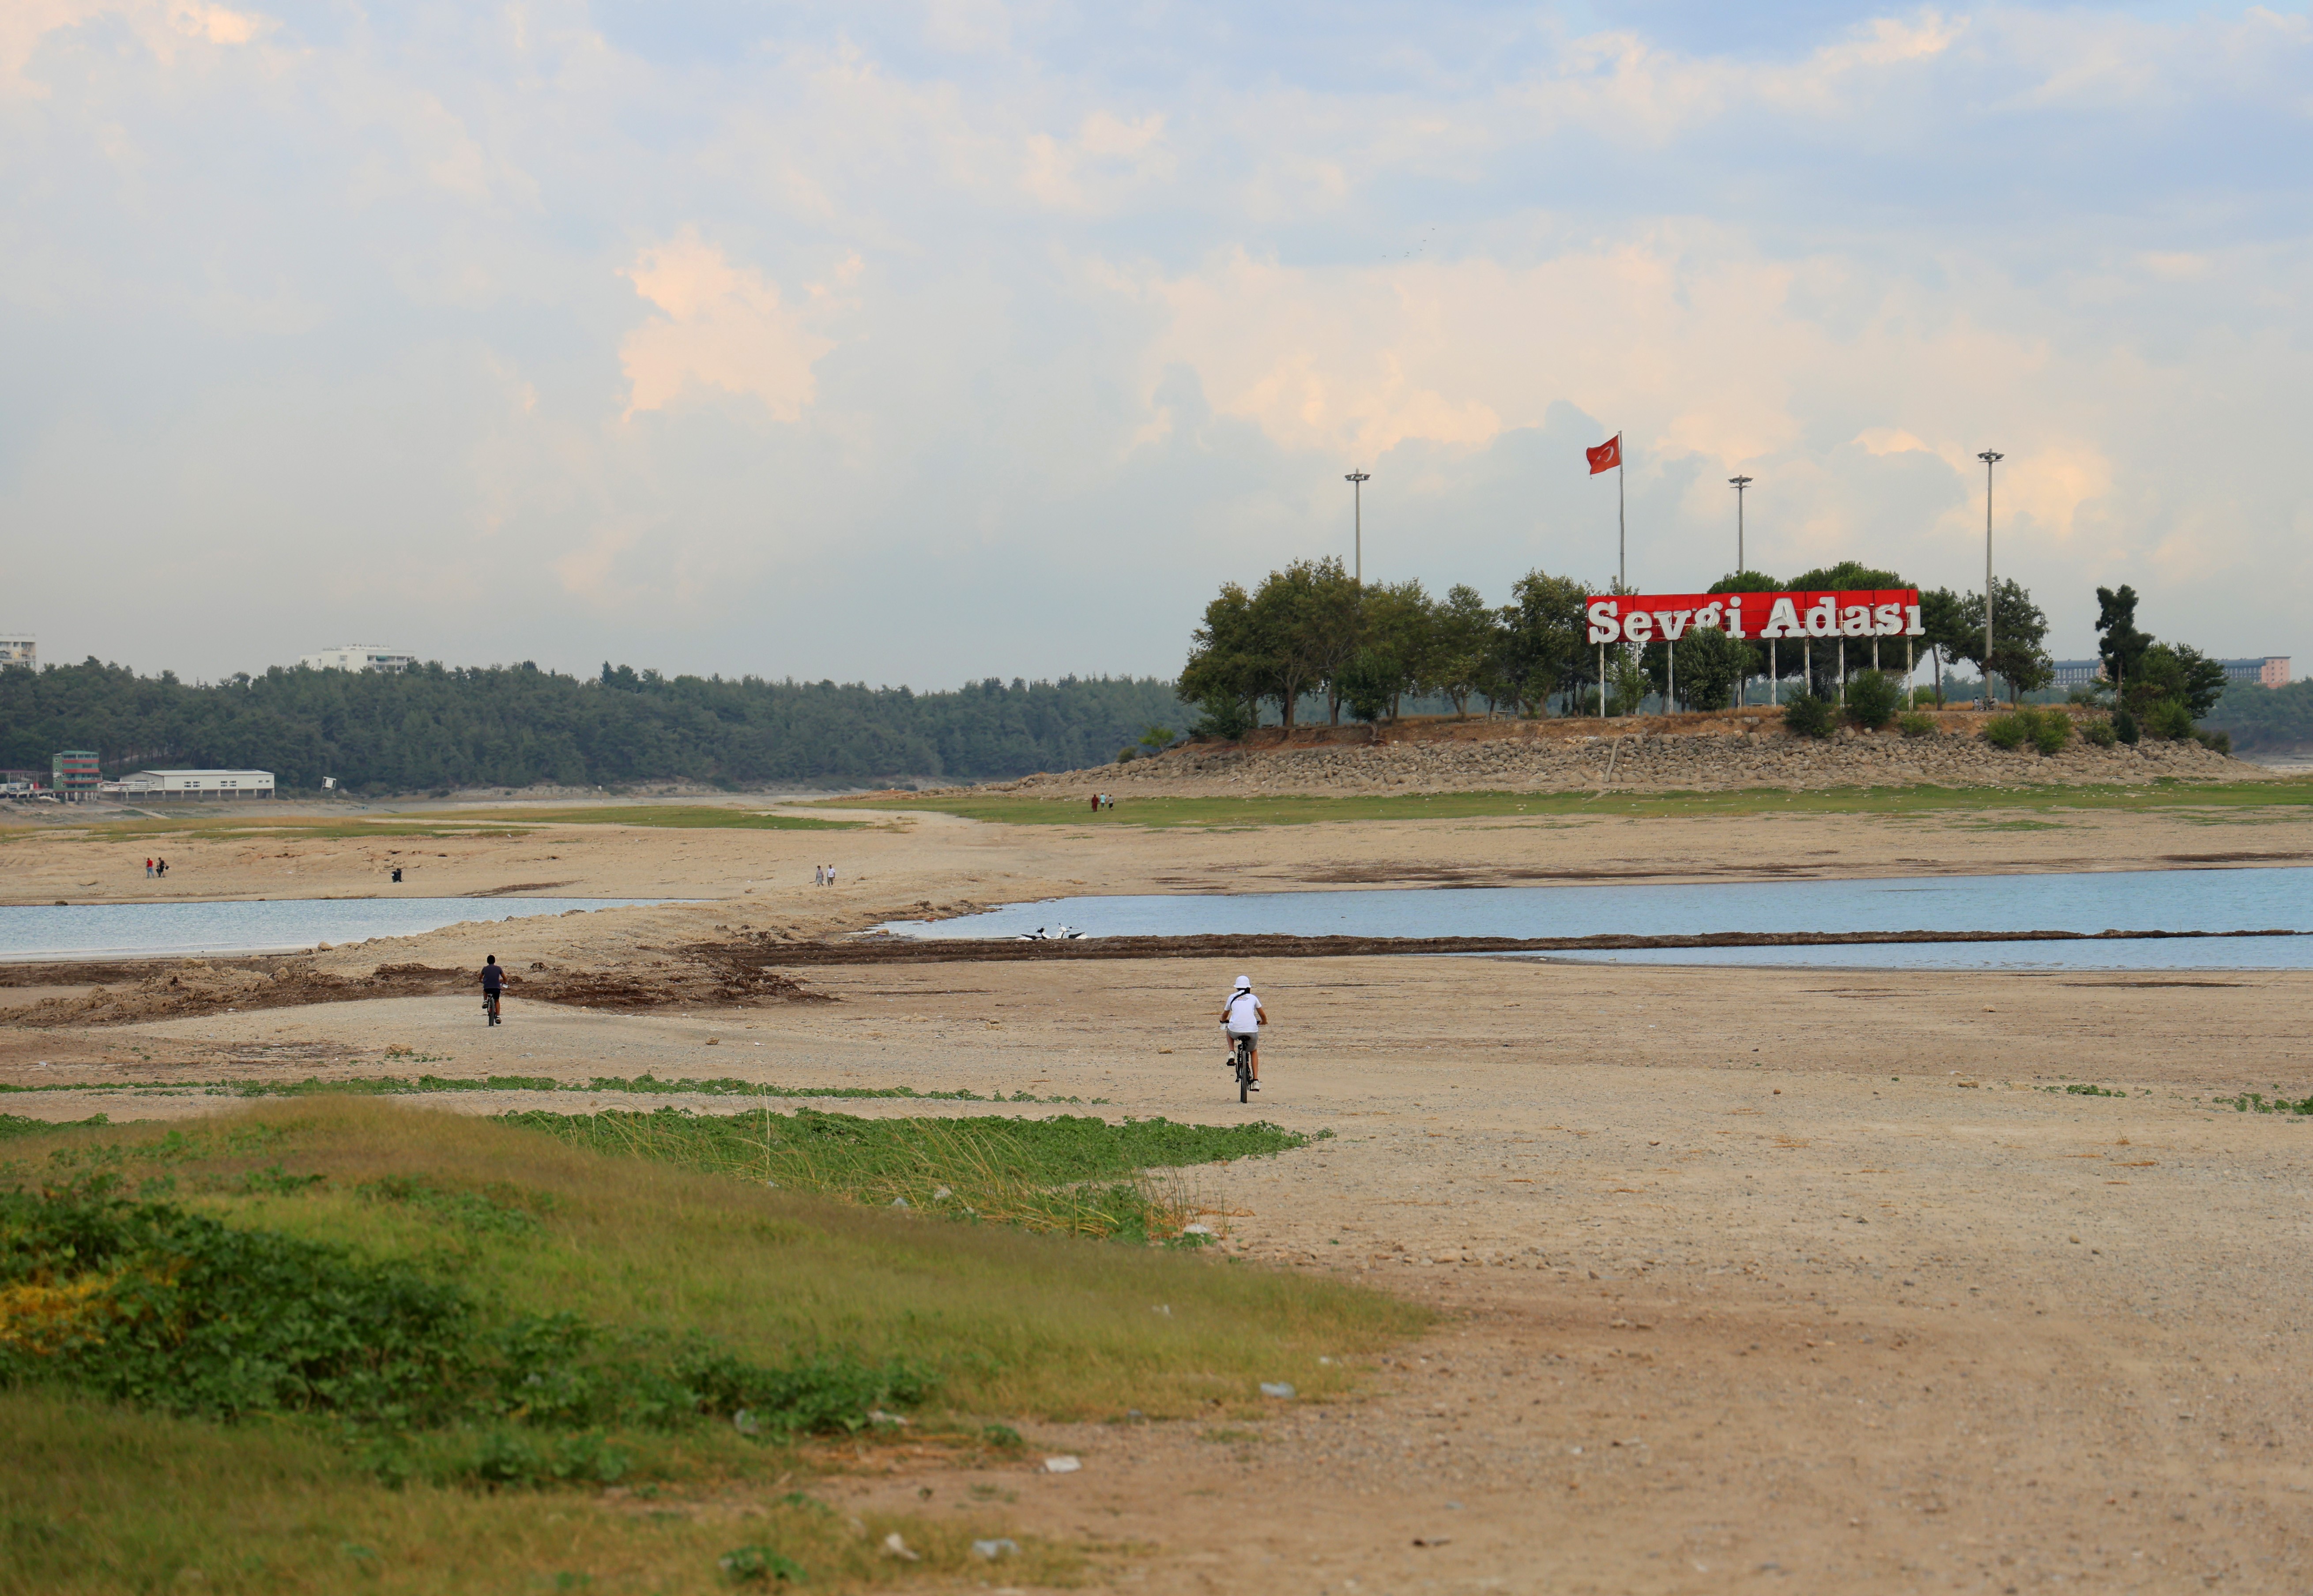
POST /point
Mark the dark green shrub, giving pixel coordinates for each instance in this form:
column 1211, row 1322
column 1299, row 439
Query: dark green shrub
column 1808, row 714
column 2124, row 726
column 1915, row 724
column 1224, row 719
column 1125, row 755
column 2007, row 730
column 2170, row 720
column 2051, row 730
column 1872, row 698
column 2219, row 742
column 2100, row 734
column 147, row 1303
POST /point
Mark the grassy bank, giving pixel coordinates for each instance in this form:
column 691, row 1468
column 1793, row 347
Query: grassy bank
column 2226, row 798
column 460, row 823
column 457, row 1333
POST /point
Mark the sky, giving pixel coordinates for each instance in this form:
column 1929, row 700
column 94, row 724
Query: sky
column 919, row 343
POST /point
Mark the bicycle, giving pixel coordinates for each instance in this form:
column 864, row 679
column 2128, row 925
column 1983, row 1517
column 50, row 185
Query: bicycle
column 490, row 1006
column 1241, row 1052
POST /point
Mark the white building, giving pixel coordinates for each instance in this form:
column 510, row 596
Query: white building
column 18, row 648
column 197, row 783
column 358, row 656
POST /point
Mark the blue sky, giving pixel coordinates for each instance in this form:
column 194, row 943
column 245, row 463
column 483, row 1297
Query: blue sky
column 924, row 342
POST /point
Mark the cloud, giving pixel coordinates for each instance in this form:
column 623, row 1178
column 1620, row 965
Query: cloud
column 721, row 326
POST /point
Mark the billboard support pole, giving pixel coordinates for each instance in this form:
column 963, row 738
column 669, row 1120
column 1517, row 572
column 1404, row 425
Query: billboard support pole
column 1602, row 682
column 1774, row 677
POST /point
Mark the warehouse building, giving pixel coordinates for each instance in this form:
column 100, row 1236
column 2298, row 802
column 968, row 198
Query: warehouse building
column 197, row 783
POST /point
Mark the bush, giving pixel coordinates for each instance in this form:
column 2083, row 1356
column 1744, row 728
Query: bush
column 2100, row 734
column 2219, row 742
column 1915, row 724
column 1224, row 719
column 2170, row 720
column 1808, row 714
column 1872, row 698
column 2124, row 726
column 1125, row 755
column 2007, row 730
column 2051, row 730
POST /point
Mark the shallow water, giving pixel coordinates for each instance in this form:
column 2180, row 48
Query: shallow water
column 2257, row 900
column 277, row 926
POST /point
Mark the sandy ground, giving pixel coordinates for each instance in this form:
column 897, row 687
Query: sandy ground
column 1812, row 1280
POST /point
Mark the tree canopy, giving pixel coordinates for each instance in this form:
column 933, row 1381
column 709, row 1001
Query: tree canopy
column 516, row 725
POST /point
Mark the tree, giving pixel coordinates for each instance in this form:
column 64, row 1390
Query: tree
column 2121, row 645
column 1540, row 643
column 1709, row 663
column 1943, row 621
column 1756, row 657
column 1291, row 629
column 1401, row 633
column 2018, row 630
column 1846, row 577
column 1365, row 685
column 1223, row 674
column 2174, row 673
column 1463, row 641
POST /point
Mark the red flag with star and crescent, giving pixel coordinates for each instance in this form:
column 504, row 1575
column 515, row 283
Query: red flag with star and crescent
column 1607, row 456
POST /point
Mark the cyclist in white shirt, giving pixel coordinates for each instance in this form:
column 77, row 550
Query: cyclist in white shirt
column 1243, row 1016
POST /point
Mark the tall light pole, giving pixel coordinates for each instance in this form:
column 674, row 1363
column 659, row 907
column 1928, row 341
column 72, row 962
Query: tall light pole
column 1739, row 483
column 1989, row 459
column 1356, row 481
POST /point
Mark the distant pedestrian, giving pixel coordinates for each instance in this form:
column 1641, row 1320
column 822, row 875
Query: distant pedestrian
column 396, row 875
column 160, row 867
column 831, row 875
column 1095, row 803
column 493, row 987
column 819, row 875
column 148, row 870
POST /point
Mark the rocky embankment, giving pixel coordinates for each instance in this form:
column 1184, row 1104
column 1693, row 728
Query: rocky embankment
column 1685, row 753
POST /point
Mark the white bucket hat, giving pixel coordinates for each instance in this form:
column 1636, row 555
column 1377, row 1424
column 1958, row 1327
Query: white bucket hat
column 1244, row 983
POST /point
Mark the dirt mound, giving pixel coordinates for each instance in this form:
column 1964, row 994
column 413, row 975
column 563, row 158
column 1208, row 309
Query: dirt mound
column 168, row 991
column 1729, row 749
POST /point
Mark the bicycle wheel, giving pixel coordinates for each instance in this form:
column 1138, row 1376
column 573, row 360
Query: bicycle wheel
column 1243, row 1075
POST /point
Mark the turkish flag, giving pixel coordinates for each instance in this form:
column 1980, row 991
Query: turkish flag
column 1607, row 456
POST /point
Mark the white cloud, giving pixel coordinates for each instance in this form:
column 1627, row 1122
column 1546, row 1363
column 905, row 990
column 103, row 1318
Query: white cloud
column 721, row 326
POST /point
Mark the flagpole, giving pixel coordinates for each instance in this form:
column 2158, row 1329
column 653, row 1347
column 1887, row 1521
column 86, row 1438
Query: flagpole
column 1621, row 527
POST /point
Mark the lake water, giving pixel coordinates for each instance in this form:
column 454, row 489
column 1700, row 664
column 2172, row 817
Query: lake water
column 2248, row 900
column 280, row 925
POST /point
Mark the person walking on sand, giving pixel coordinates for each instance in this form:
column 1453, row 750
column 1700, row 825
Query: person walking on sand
column 819, row 875
column 148, row 870
column 831, row 875
column 493, row 987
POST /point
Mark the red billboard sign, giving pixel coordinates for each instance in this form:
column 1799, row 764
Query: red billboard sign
column 1650, row 618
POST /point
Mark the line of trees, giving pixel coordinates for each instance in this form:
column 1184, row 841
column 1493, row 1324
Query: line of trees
column 1311, row 632
column 515, row 726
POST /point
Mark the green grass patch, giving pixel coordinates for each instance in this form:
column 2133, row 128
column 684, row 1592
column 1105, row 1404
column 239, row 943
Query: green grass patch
column 410, row 1085
column 707, row 816
column 1070, row 1173
column 338, row 1343
column 2257, row 1102
column 97, row 1500
column 463, row 823
column 2293, row 797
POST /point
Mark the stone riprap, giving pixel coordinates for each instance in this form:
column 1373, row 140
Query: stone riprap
column 1688, row 754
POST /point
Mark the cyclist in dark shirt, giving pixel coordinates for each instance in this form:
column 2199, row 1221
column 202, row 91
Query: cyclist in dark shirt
column 493, row 982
